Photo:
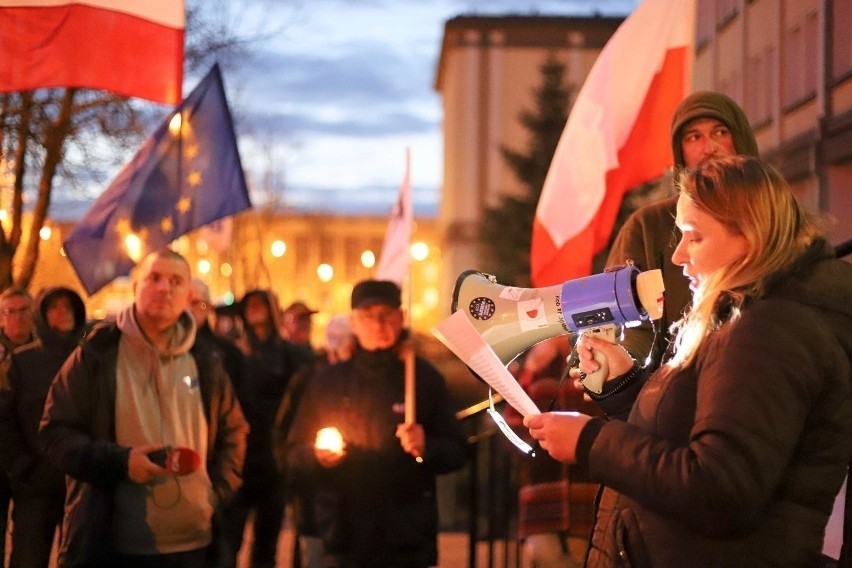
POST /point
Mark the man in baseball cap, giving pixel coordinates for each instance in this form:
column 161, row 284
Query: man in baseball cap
column 296, row 323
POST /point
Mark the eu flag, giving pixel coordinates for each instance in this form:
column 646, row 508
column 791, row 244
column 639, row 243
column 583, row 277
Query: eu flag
column 186, row 175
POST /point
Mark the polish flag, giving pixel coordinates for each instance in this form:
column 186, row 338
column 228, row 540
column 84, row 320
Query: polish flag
column 617, row 137
column 132, row 48
column 395, row 257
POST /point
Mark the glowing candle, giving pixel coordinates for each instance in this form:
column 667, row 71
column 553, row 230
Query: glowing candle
column 329, row 439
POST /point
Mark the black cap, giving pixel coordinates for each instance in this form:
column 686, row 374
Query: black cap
column 371, row 292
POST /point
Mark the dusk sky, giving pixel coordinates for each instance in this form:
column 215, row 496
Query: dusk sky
column 327, row 108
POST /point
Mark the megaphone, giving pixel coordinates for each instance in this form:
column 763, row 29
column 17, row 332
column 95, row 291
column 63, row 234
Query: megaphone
column 511, row 319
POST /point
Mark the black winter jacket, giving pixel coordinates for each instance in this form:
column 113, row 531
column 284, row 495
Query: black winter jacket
column 31, row 371
column 377, row 507
column 77, row 434
column 736, row 460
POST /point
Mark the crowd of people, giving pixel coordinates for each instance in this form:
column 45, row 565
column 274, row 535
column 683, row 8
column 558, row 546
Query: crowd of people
column 149, row 439
column 722, row 436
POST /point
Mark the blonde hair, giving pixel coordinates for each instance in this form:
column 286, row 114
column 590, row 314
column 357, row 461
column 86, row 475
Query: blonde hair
column 751, row 199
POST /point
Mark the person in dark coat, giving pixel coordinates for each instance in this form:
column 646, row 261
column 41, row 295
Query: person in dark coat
column 338, row 347
column 136, row 386
column 269, row 364
column 16, row 329
column 38, row 489
column 733, row 452
column 200, row 307
column 374, row 493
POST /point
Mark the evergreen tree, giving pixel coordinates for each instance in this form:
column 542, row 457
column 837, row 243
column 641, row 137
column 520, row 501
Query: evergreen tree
column 506, row 230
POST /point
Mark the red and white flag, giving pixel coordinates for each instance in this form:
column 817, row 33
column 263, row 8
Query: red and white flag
column 617, row 137
column 395, row 257
column 132, row 48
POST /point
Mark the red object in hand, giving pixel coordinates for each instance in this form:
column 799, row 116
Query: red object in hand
column 179, row 461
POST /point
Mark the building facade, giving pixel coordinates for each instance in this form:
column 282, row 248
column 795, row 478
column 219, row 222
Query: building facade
column 789, row 64
column 310, row 257
column 486, row 75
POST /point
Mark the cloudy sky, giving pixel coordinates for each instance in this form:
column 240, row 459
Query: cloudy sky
column 327, row 106
column 333, row 92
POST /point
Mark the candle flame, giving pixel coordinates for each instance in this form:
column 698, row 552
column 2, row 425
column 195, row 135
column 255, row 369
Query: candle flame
column 329, row 439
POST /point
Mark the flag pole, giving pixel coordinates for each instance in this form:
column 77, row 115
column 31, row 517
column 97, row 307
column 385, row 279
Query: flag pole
column 408, row 357
column 408, row 350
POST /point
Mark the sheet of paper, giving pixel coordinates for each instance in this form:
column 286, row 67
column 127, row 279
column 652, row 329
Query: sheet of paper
column 460, row 337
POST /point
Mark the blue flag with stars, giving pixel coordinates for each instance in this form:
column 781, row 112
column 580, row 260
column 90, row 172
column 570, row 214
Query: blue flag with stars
column 186, row 175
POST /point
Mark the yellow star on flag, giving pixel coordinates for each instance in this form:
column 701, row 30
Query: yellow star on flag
column 184, row 204
column 194, row 178
column 122, row 227
column 166, row 224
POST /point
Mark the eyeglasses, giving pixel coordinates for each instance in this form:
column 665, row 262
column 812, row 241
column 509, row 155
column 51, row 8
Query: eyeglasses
column 8, row 312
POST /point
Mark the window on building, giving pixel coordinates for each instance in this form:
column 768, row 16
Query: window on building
column 800, row 60
column 352, row 250
column 758, row 88
column 326, row 249
column 728, row 10
column 842, row 37
column 705, row 22
column 302, row 251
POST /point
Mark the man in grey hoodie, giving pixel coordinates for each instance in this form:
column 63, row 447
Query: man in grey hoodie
column 136, row 386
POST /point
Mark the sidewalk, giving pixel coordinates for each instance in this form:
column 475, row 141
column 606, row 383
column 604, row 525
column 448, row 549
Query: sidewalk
column 452, row 551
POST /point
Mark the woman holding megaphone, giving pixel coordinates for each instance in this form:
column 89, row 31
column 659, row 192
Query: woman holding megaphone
column 733, row 452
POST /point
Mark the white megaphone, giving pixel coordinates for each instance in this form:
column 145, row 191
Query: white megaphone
column 511, row 320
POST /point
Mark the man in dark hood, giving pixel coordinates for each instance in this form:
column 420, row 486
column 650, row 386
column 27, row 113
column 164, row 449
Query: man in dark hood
column 270, row 362
column 38, row 489
column 706, row 124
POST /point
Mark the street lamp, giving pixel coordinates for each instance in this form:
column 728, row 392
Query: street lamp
column 278, row 248
column 419, row 251
column 325, row 272
column 133, row 245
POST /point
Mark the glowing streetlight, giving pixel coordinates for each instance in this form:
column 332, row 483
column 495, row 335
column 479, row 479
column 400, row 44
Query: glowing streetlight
column 325, row 272
column 368, row 259
column 278, row 248
column 204, row 266
column 419, row 251
column 133, row 245
column 225, row 269
column 44, row 233
column 175, row 124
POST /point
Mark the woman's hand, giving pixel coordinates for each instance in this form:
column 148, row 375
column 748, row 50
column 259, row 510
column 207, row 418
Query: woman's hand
column 589, row 347
column 558, row 432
